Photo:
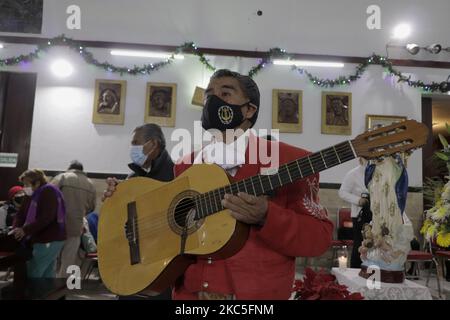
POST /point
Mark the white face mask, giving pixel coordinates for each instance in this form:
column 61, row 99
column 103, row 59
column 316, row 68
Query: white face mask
column 28, row 191
column 137, row 155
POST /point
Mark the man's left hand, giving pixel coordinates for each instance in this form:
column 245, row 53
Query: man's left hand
column 247, row 208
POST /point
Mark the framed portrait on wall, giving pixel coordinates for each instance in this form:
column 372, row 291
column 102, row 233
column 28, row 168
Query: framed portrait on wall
column 374, row 120
column 197, row 98
column 161, row 103
column 337, row 113
column 287, row 109
column 109, row 102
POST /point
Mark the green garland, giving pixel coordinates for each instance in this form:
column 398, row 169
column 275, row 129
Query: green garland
column 277, row 53
column 89, row 58
column 191, row 48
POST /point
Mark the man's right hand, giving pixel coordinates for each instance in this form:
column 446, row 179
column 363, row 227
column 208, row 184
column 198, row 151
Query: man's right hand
column 111, row 184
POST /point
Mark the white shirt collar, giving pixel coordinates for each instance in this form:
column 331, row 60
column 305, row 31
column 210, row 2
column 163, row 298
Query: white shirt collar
column 227, row 156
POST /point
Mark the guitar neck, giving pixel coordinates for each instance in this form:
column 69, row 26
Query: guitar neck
column 210, row 202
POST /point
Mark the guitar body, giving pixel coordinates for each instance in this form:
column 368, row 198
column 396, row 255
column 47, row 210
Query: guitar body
column 142, row 227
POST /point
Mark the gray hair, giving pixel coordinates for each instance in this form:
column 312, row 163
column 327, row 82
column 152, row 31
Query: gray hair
column 75, row 165
column 152, row 131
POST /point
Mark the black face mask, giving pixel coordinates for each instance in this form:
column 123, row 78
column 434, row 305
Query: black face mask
column 19, row 200
column 217, row 114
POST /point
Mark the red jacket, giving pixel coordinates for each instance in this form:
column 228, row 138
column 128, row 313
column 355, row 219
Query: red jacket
column 296, row 225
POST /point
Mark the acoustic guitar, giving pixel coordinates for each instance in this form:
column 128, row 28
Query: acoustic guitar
column 150, row 231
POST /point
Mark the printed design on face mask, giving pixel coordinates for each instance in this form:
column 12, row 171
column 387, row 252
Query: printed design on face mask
column 225, row 114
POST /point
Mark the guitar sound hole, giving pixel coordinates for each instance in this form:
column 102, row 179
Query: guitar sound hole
column 182, row 209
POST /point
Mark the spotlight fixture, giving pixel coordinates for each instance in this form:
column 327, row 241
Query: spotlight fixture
column 1, row 46
column 434, row 48
column 413, row 48
column 445, row 86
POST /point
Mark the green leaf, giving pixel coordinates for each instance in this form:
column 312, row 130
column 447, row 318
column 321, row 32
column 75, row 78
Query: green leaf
column 448, row 127
column 443, row 141
column 442, row 156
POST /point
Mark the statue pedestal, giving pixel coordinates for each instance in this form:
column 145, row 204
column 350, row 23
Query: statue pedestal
column 386, row 276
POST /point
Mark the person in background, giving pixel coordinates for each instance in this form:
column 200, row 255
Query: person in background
column 41, row 222
column 80, row 198
column 10, row 208
column 149, row 159
column 353, row 190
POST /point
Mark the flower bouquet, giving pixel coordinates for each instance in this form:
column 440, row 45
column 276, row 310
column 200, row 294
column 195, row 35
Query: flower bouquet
column 322, row 286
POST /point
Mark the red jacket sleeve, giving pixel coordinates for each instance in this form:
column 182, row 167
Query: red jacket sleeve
column 301, row 228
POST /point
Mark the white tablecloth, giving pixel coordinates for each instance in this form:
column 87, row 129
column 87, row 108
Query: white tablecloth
column 407, row 290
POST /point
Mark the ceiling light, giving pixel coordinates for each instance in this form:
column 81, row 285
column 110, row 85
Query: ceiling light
column 306, row 63
column 1, row 46
column 401, row 31
column 61, row 68
column 144, row 54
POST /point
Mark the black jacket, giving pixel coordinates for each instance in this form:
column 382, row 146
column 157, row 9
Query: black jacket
column 162, row 168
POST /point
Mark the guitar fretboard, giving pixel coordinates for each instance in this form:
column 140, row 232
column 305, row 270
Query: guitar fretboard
column 210, row 202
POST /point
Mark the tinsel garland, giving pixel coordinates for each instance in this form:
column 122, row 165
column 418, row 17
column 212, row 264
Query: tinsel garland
column 191, row 48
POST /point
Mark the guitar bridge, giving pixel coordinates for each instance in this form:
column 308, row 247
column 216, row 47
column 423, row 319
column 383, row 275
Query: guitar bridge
column 132, row 234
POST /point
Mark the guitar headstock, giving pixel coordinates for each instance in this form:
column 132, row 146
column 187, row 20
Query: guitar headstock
column 399, row 137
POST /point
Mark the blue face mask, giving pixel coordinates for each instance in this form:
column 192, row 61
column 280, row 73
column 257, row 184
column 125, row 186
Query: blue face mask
column 137, row 155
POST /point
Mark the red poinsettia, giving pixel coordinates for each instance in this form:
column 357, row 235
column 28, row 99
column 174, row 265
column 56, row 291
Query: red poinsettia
column 322, row 286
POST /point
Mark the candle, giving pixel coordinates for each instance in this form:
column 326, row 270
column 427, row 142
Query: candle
column 342, row 262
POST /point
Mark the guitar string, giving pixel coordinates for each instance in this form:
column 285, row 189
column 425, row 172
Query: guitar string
column 161, row 221
column 208, row 196
column 284, row 170
column 145, row 228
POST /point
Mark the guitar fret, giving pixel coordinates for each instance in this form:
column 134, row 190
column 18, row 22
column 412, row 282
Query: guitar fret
column 253, row 186
column 310, row 163
column 270, row 182
column 321, row 155
column 245, row 186
column 289, row 174
column 299, row 170
column 279, row 178
column 337, row 155
column 262, row 187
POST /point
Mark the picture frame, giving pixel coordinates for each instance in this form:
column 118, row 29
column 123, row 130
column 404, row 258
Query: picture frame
column 197, row 98
column 109, row 102
column 287, row 110
column 161, row 103
column 336, row 113
column 373, row 120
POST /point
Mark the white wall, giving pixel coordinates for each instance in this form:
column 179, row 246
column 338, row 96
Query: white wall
column 62, row 124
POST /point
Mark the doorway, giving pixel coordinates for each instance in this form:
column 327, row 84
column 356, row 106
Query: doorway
column 17, row 92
